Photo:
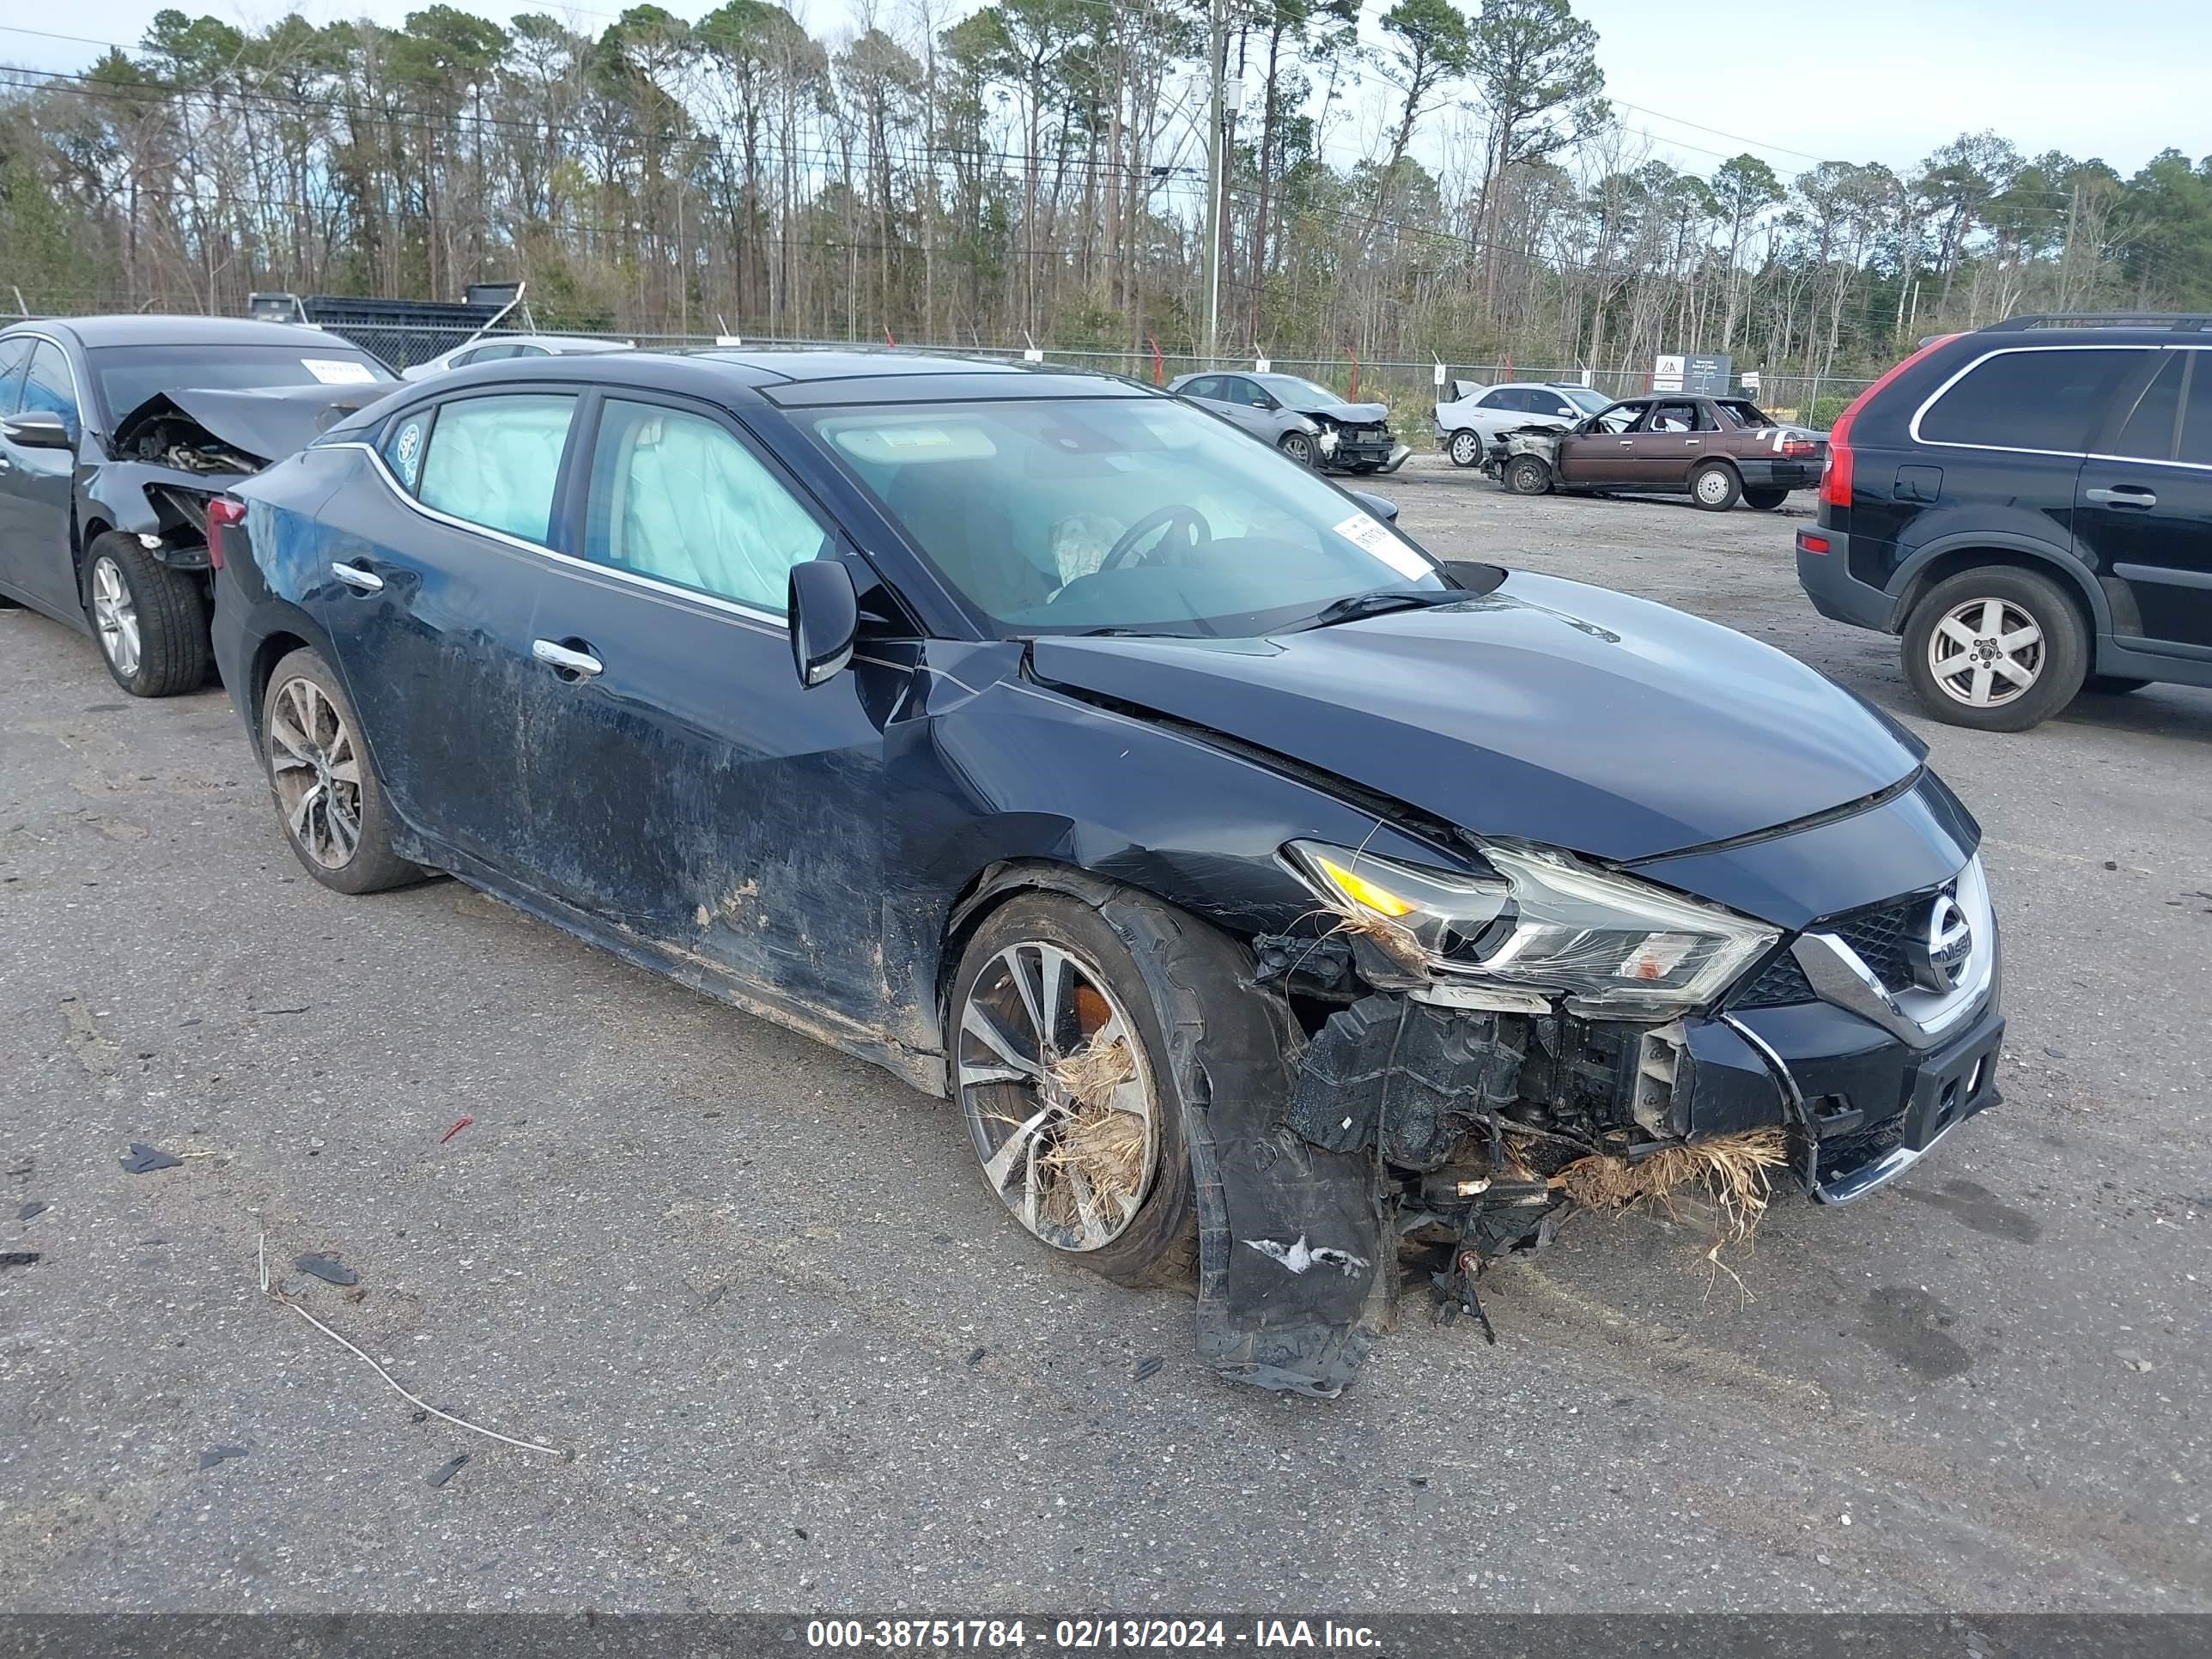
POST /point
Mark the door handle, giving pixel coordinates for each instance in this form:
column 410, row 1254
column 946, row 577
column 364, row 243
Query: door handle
column 563, row 660
column 1628, row 443
column 365, row 582
column 2121, row 496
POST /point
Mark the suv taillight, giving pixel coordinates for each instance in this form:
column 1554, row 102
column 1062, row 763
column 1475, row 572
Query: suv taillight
column 223, row 513
column 1836, row 476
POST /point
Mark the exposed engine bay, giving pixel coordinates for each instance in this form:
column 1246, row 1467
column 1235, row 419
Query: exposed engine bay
column 183, row 443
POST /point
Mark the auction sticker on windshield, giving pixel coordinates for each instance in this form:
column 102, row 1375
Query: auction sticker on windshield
column 336, row 370
column 1371, row 535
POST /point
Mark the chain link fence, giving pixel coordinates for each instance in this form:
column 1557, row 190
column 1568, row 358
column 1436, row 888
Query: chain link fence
column 1408, row 390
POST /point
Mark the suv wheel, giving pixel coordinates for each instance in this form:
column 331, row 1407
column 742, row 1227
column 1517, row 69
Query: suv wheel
column 1997, row 649
column 151, row 622
column 1715, row 487
column 1465, row 449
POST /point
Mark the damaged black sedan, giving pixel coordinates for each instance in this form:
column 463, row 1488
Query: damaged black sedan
column 1275, row 901
column 116, row 433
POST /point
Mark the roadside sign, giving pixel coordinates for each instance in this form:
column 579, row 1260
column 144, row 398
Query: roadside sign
column 1706, row 373
column 1751, row 379
column 1440, row 374
column 728, row 340
column 1262, row 366
column 1032, row 355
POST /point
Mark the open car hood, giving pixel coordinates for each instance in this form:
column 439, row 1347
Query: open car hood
column 266, row 423
column 1546, row 711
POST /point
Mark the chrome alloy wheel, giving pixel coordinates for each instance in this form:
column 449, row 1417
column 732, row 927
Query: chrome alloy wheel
column 116, row 616
column 1059, row 1099
column 317, row 768
column 1298, row 448
column 1986, row 653
column 1466, row 448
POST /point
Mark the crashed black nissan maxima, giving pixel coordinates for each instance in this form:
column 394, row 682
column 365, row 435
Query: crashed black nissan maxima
column 115, row 434
column 1264, row 891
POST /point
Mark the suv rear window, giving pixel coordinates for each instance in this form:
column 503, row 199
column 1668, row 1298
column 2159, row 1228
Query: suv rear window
column 2046, row 397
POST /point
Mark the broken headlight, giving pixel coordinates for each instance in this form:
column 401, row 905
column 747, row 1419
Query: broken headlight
column 1608, row 943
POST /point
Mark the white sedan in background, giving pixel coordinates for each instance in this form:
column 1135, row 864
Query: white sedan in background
column 1471, row 421
column 492, row 348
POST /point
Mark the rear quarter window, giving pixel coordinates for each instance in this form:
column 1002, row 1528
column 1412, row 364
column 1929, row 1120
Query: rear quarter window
column 2048, row 398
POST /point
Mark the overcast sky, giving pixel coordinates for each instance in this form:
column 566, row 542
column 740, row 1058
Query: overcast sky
column 1863, row 80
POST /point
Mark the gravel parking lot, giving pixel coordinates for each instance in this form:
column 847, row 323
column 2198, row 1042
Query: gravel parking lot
column 796, row 1357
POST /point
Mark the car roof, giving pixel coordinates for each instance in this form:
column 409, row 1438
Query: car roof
column 579, row 342
column 158, row 330
column 796, row 377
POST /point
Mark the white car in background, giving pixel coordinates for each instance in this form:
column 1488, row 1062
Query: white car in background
column 1470, row 421
column 493, row 347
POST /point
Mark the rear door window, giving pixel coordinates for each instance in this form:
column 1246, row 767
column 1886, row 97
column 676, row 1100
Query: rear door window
column 496, row 461
column 2048, row 398
column 1208, row 385
column 2148, row 432
column 2196, row 411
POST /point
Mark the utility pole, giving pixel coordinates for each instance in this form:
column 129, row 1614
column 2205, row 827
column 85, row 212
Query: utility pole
column 1217, row 64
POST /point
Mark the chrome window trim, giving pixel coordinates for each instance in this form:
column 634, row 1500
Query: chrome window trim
column 1912, row 428
column 770, row 620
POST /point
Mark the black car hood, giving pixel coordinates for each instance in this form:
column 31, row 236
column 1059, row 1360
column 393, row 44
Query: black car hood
column 1546, row 710
column 267, row 422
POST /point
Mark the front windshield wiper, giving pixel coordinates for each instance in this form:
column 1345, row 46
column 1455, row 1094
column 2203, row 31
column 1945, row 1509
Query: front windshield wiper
column 1353, row 606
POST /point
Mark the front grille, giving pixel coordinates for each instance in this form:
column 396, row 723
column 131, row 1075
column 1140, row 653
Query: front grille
column 1879, row 936
column 1783, row 983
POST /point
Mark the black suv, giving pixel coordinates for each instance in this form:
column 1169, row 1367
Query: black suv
column 2029, row 505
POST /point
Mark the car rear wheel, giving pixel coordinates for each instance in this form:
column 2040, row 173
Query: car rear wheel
column 151, row 622
column 1765, row 500
column 327, row 794
column 1060, row 1062
column 1715, row 487
column 1465, row 449
column 1528, row 475
column 1297, row 445
column 1997, row 649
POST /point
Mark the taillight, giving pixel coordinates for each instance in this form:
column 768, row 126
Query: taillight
column 223, row 513
column 1808, row 543
column 1798, row 447
column 1836, row 476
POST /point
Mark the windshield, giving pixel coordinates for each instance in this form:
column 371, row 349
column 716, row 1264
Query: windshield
column 1293, row 388
column 128, row 376
column 1133, row 515
column 1584, row 398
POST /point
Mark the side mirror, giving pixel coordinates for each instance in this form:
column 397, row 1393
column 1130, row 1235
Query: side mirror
column 1268, row 402
column 39, row 428
column 825, row 615
column 1381, row 506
